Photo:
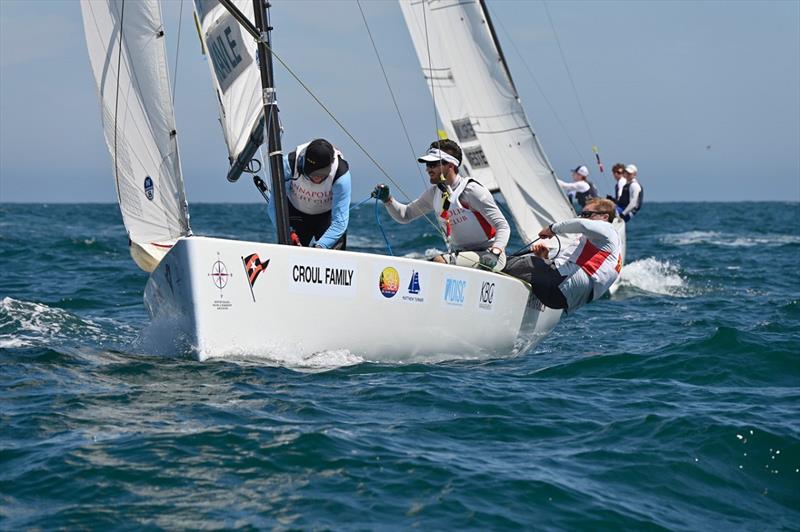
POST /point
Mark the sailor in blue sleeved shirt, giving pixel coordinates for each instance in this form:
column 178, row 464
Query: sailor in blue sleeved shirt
column 318, row 190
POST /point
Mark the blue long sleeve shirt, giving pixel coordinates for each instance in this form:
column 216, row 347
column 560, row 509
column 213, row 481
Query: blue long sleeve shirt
column 340, row 208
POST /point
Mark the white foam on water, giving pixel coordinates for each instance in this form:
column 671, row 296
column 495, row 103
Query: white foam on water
column 286, row 356
column 38, row 324
column 655, row 276
column 716, row 238
column 10, row 343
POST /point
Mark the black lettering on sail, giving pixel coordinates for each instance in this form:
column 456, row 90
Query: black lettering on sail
column 227, row 52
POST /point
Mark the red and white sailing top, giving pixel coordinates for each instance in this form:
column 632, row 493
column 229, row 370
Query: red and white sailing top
column 474, row 219
column 596, row 253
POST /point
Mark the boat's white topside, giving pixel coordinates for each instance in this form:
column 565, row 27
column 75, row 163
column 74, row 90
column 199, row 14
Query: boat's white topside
column 308, row 300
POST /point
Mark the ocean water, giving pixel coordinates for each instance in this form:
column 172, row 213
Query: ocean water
column 673, row 405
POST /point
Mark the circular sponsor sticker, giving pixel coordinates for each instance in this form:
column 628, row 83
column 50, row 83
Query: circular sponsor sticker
column 389, row 282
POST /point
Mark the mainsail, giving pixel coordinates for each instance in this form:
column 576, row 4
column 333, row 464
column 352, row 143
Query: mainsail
column 236, row 79
column 128, row 57
column 480, row 108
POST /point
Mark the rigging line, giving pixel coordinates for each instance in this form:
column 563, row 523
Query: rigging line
column 391, row 92
column 569, row 73
column 177, row 52
column 116, row 100
column 430, row 69
column 541, row 91
column 347, row 132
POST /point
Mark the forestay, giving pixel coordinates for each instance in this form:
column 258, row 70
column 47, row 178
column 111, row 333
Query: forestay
column 236, row 79
column 138, row 122
column 479, row 107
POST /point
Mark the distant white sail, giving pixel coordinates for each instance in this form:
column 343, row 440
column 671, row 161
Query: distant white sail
column 235, row 77
column 138, row 121
column 480, row 109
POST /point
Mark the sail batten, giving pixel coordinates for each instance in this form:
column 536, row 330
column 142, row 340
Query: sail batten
column 128, row 56
column 479, row 107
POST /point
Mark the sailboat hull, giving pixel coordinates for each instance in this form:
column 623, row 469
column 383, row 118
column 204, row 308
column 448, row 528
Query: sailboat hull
column 223, row 298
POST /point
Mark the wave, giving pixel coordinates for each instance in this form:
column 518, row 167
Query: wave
column 716, row 238
column 28, row 324
column 654, row 276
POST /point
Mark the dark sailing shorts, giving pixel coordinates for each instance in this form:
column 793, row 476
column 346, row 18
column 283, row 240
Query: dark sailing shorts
column 543, row 279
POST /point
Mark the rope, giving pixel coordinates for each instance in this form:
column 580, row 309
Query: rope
column 391, row 92
column 569, row 73
column 430, row 71
column 360, row 203
column 350, row 135
column 541, row 91
column 526, row 248
column 177, row 52
column 378, row 219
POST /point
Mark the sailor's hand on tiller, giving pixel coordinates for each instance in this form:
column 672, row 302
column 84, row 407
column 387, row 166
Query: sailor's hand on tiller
column 540, row 249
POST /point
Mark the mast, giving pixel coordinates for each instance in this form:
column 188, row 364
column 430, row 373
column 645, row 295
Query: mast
column 261, row 32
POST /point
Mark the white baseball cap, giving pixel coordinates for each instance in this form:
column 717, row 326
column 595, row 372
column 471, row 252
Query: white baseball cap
column 631, row 169
column 582, row 170
column 434, row 155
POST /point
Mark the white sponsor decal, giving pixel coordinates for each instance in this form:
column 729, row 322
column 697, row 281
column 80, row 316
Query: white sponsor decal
column 486, row 299
column 319, row 276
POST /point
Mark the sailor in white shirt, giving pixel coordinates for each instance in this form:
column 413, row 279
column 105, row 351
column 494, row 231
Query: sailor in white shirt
column 581, row 189
column 631, row 197
column 581, row 272
column 466, row 211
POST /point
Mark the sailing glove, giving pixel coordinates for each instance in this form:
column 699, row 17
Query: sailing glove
column 381, row 192
column 489, row 260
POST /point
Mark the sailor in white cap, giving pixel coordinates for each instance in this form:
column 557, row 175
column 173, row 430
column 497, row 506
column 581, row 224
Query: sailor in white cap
column 632, row 196
column 466, row 211
column 581, row 189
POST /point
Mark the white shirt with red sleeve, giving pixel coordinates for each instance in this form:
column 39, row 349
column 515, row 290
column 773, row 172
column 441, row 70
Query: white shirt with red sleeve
column 591, row 264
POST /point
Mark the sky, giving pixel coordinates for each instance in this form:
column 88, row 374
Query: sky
column 704, row 97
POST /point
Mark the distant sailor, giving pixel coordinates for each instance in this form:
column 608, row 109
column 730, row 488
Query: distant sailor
column 631, row 197
column 318, row 190
column 618, row 172
column 581, row 272
column 581, row 189
column 466, row 211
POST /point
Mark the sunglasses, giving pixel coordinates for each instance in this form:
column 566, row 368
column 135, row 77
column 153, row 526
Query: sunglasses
column 588, row 214
column 434, row 164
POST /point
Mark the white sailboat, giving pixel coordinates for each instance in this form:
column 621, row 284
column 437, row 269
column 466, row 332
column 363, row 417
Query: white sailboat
column 220, row 297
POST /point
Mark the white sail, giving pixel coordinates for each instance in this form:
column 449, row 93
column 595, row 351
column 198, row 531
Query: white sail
column 235, row 77
column 128, row 57
column 480, row 109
